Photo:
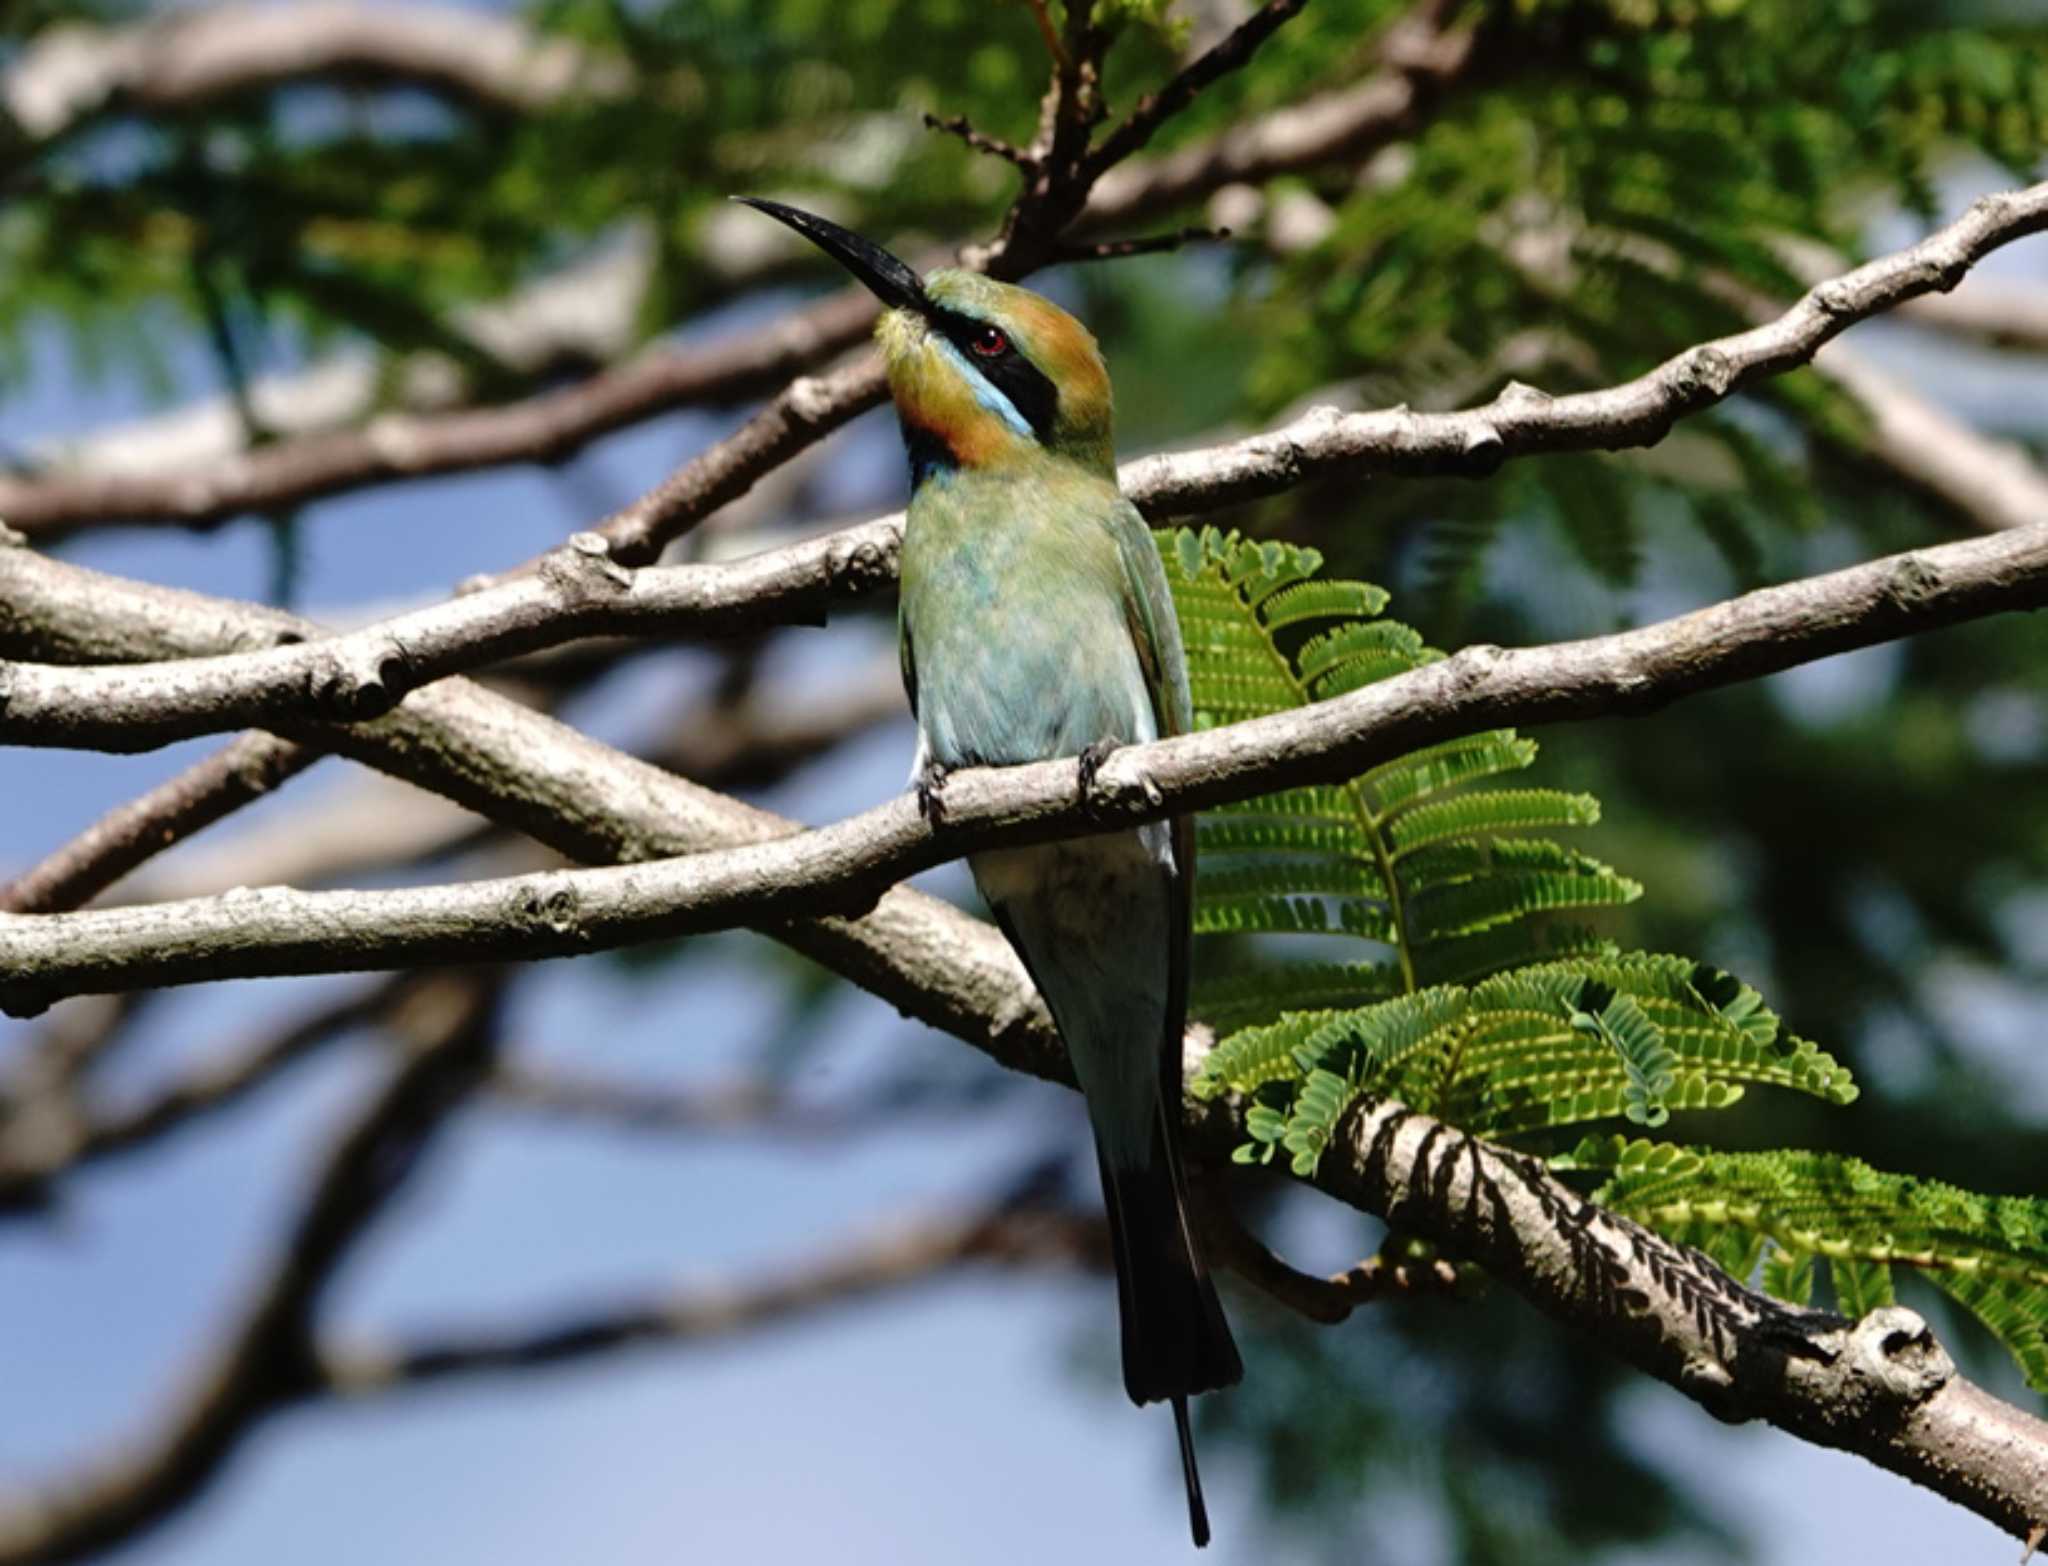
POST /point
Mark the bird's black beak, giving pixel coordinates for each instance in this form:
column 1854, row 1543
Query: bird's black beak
column 886, row 277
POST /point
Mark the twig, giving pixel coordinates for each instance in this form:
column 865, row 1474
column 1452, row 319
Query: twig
column 1420, row 57
column 363, row 673
column 1049, row 33
column 995, row 146
column 1232, row 52
column 1120, row 249
column 246, row 769
column 847, row 866
column 905, row 1256
column 1990, row 483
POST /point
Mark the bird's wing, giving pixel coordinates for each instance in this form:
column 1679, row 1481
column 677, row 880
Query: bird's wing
column 907, row 660
column 1155, row 632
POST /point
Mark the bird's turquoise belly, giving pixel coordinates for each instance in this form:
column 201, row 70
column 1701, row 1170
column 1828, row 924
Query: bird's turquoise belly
column 1047, row 675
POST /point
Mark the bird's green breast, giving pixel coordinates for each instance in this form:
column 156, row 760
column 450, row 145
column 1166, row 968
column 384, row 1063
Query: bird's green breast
column 1017, row 644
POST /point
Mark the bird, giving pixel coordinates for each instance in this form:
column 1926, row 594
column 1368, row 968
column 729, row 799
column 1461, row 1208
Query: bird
column 1035, row 622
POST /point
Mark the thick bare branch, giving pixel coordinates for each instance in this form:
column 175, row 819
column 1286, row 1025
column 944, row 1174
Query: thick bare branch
column 844, row 868
column 582, row 590
column 1991, row 483
column 579, row 590
column 71, row 73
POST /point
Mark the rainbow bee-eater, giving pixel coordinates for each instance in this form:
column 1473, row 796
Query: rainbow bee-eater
column 1035, row 623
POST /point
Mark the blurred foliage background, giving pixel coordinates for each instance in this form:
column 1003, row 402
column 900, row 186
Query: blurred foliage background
column 1603, row 183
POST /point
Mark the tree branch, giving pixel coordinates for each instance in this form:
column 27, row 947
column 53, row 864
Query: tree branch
column 93, row 1510
column 844, row 868
column 529, row 773
column 268, row 1357
column 542, row 428
column 1991, row 483
column 70, row 74
column 582, row 590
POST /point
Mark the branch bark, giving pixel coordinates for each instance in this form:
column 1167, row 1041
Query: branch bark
column 529, row 773
column 845, row 868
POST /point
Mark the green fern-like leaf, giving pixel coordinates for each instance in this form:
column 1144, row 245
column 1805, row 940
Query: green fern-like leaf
column 1407, row 857
column 1515, row 1053
column 1989, row 1253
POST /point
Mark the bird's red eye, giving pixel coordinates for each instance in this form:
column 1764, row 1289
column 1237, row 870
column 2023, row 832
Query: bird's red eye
column 988, row 341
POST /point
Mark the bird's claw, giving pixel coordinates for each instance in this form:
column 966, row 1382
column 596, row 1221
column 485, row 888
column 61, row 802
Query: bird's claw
column 931, row 800
column 1091, row 761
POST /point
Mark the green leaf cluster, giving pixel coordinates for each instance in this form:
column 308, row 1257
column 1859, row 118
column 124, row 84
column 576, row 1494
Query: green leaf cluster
column 1438, row 875
column 1773, row 1215
column 1426, row 858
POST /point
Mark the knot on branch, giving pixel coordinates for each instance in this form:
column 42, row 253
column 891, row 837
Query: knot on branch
column 1705, row 371
column 584, row 567
column 1893, row 1354
column 1997, row 209
column 809, row 399
column 351, row 685
column 1911, row 581
column 1103, row 795
column 856, row 569
column 1835, row 299
column 1519, row 394
column 555, row 908
column 1483, row 449
column 1472, row 665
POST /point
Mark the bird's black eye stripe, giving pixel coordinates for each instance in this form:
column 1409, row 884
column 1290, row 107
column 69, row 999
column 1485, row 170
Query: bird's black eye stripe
column 1029, row 389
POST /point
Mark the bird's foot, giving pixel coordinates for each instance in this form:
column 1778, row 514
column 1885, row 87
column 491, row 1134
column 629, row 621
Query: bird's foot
column 931, row 793
column 1091, row 761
